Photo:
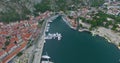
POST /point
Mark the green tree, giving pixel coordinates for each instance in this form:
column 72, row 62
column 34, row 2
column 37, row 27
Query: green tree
column 7, row 43
column 19, row 54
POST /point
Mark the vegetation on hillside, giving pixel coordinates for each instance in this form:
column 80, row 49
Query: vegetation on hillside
column 42, row 7
column 100, row 19
column 15, row 14
column 96, row 3
column 64, row 5
column 15, row 10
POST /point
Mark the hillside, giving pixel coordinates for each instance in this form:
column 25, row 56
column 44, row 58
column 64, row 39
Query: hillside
column 12, row 10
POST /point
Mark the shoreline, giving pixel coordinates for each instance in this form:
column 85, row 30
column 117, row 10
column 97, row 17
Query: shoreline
column 41, row 40
column 95, row 32
column 67, row 22
column 39, row 46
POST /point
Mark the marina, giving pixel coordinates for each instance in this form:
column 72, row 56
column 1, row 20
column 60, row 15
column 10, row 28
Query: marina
column 56, row 35
column 78, row 47
column 48, row 25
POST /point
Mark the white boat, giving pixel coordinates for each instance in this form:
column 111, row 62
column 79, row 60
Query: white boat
column 48, row 37
column 47, row 29
column 46, row 59
column 59, row 37
column 54, row 36
column 46, row 62
column 46, row 56
column 50, row 21
column 48, row 24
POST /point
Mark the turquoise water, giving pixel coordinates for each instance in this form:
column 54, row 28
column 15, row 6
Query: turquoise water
column 79, row 47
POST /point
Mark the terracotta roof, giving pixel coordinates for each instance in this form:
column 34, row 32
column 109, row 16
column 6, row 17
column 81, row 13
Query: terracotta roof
column 2, row 52
column 3, row 32
column 9, row 47
column 2, row 40
column 27, row 35
column 24, row 31
column 34, row 26
column 39, row 17
column 14, row 39
column 15, row 52
column 1, row 45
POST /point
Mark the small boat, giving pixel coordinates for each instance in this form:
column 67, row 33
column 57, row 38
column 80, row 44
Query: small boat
column 50, row 21
column 53, row 36
column 48, row 24
column 46, row 59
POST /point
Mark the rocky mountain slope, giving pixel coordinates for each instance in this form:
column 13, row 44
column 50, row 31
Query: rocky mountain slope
column 11, row 10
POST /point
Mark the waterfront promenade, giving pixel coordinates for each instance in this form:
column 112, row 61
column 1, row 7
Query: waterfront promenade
column 38, row 47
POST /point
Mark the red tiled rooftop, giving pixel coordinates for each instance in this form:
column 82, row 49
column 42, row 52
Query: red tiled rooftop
column 3, row 32
column 7, row 58
column 39, row 17
column 1, row 45
column 2, row 52
column 27, row 35
column 34, row 26
column 2, row 40
column 24, row 31
column 9, row 47
column 14, row 39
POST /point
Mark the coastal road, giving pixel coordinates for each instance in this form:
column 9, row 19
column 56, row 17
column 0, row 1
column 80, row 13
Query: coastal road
column 38, row 51
column 39, row 44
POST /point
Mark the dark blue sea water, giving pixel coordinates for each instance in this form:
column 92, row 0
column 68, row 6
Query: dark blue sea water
column 79, row 47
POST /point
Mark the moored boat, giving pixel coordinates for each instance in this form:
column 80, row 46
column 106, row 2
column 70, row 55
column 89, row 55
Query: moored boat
column 46, row 59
